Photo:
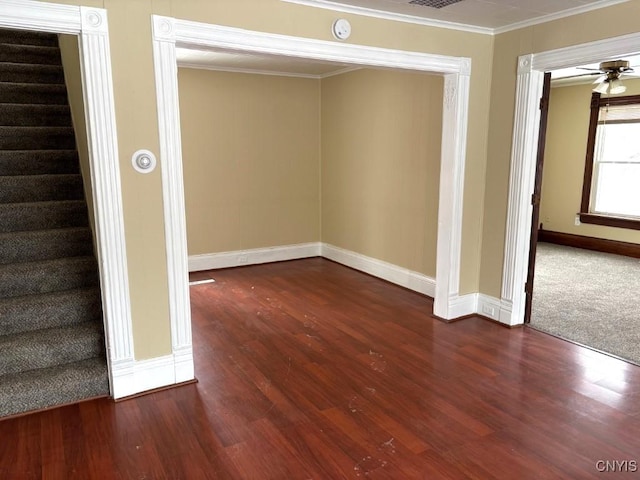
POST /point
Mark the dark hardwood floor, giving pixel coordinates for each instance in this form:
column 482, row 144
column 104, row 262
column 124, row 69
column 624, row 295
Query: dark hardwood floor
column 310, row 370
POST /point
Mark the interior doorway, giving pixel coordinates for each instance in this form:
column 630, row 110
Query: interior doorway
column 582, row 278
column 456, row 70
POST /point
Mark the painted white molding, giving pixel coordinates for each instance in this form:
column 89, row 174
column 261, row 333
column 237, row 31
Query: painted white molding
column 254, row 256
column 134, row 377
column 429, row 22
column 494, row 308
column 187, row 34
column 397, row 17
column 40, row 16
column 557, row 16
column 462, row 305
column 91, row 25
column 166, row 73
column 523, row 162
column 523, row 156
column 449, row 242
column 404, row 277
column 169, row 33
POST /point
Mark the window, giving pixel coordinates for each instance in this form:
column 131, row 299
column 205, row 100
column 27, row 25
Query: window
column 611, row 188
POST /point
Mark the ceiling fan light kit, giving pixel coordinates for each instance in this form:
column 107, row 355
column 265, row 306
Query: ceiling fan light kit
column 610, row 82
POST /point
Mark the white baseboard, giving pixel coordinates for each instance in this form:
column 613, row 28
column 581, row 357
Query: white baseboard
column 239, row 258
column 392, row 273
column 463, row 305
column 132, row 377
column 494, row 308
column 460, row 306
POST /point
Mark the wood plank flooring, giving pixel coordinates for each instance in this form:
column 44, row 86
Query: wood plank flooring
column 310, row 370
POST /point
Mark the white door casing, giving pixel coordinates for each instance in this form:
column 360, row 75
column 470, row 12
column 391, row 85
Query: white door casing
column 170, row 32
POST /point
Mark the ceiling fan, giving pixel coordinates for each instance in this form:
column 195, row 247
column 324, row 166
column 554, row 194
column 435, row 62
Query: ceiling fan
column 609, row 79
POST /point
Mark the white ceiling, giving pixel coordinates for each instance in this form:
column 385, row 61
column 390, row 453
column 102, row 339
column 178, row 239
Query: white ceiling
column 487, row 16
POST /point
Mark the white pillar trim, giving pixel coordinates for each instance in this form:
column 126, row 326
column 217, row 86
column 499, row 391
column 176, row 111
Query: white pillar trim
column 170, row 32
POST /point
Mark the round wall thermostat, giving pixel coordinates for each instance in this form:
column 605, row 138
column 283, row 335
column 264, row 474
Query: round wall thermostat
column 341, row 29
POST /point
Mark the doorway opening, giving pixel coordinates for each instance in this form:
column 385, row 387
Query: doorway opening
column 583, row 272
column 170, row 33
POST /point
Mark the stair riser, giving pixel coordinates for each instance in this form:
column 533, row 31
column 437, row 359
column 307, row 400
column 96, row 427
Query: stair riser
column 44, row 245
column 27, row 139
column 58, row 309
column 31, row 54
column 34, row 278
column 44, row 216
column 32, row 162
column 35, row 115
column 24, row 37
column 47, row 348
column 33, row 93
column 39, row 188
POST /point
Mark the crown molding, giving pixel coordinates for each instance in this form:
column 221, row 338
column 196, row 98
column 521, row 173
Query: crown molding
column 397, row 17
column 463, row 27
column 556, row 16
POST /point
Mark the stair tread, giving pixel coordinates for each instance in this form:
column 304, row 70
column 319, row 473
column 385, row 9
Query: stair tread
column 28, row 37
column 40, row 188
column 35, row 245
column 28, row 85
column 81, row 260
column 33, row 93
column 62, row 384
column 20, row 352
column 43, row 215
column 27, row 278
column 12, row 72
column 37, row 128
column 35, row 115
column 52, row 309
column 32, row 54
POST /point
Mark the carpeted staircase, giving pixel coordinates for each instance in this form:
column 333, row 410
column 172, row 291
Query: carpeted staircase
column 51, row 333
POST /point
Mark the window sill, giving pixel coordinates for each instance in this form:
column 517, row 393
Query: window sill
column 609, row 221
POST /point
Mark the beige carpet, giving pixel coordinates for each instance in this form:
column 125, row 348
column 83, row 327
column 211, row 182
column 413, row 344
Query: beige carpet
column 588, row 297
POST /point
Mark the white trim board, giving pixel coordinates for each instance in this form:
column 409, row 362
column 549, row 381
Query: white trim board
column 91, row 26
column 254, row 256
column 464, row 27
column 531, row 70
column 404, row 277
column 169, row 33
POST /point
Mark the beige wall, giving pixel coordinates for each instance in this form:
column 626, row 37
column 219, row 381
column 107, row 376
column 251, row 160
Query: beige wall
column 491, row 108
column 70, row 55
column 564, row 163
column 137, row 125
column 381, row 135
column 251, row 159
column 596, row 25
